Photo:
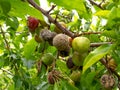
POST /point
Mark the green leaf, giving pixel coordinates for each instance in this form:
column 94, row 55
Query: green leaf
column 5, row 6
column 89, row 78
column 12, row 22
column 113, row 18
column 56, row 87
column 1, row 62
column 21, row 9
column 102, row 13
column 29, row 48
column 74, row 4
column 62, row 65
column 96, row 55
column 110, row 34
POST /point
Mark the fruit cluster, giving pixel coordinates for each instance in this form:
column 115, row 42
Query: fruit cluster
column 74, row 50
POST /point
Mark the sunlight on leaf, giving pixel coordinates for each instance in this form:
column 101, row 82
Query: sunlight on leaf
column 96, row 55
column 102, row 13
column 75, row 4
column 29, row 48
column 21, row 9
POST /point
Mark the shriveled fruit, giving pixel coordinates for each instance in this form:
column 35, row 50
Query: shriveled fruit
column 111, row 64
column 81, row 44
column 47, row 58
column 107, row 81
column 38, row 38
column 70, row 63
column 61, row 42
column 78, row 59
column 75, row 76
column 47, row 35
column 53, row 76
column 32, row 23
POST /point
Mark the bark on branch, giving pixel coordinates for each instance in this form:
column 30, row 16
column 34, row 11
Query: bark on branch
column 64, row 30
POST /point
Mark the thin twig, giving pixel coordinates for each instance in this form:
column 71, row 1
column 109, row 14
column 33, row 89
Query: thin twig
column 94, row 3
column 63, row 29
column 99, row 43
column 4, row 70
column 87, row 33
column 6, row 42
column 53, row 6
column 56, row 17
column 112, row 71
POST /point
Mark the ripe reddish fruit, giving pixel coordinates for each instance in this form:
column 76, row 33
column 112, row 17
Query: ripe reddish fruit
column 32, row 23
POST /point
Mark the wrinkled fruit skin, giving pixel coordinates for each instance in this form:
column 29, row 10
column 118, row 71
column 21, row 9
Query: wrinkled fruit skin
column 107, row 81
column 78, row 59
column 61, row 42
column 112, row 64
column 81, row 44
column 47, row 35
column 69, row 63
column 32, row 23
column 48, row 59
column 75, row 76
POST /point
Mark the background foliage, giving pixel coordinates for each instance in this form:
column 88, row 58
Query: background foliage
column 20, row 53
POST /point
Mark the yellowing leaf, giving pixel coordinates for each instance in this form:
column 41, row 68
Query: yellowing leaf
column 102, row 13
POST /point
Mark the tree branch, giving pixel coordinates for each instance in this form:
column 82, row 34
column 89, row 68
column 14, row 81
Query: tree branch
column 112, row 71
column 64, row 30
column 6, row 42
column 53, row 6
column 100, row 43
column 94, row 3
column 4, row 70
column 87, row 33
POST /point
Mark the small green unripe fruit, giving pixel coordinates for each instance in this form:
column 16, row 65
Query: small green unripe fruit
column 75, row 76
column 47, row 58
column 78, row 59
column 81, row 44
